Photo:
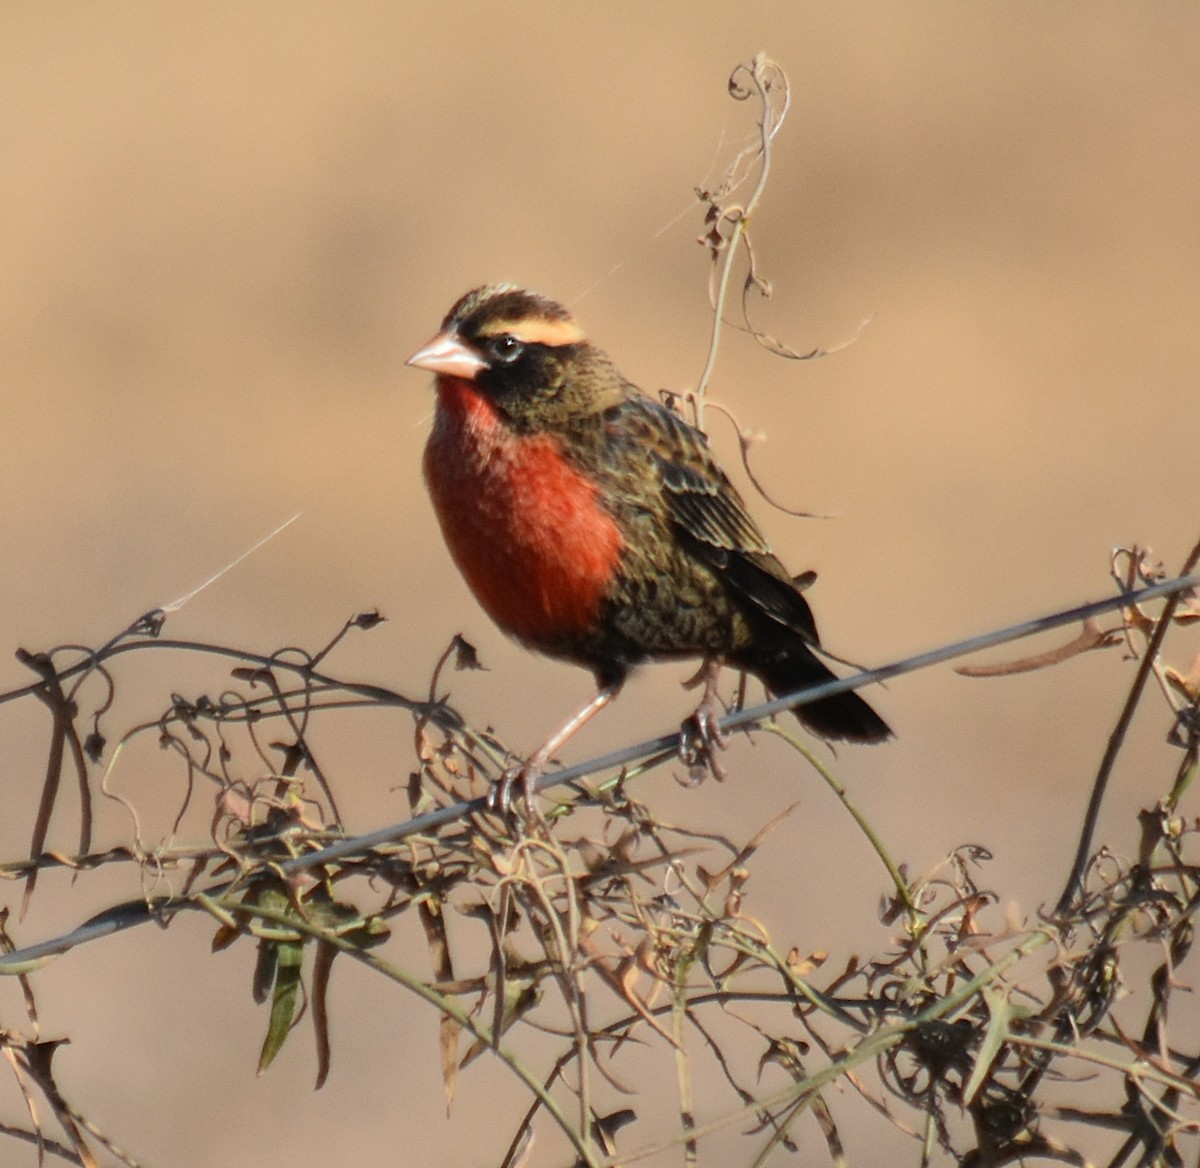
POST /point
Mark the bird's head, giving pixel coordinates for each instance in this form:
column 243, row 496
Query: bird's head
column 524, row 352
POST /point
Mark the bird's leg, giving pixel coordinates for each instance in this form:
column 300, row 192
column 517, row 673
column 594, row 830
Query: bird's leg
column 700, row 733
column 526, row 775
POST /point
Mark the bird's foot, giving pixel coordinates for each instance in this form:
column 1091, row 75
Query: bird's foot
column 701, row 736
column 520, row 778
column 699, row 740
column 524, row 776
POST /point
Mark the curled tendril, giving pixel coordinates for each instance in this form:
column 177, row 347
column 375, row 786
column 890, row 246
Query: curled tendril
column 766, row 79
column 727, row 238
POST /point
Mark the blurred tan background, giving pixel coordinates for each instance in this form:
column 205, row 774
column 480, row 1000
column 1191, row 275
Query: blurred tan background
column 225, row 226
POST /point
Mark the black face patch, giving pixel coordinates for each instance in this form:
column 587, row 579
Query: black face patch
column 519, row 370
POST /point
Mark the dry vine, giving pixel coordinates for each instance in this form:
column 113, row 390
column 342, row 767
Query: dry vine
column 613, row 931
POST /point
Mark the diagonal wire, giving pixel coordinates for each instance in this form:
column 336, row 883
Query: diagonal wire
column 126, row 916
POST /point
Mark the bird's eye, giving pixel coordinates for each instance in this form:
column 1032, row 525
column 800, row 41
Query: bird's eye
column 506, row 348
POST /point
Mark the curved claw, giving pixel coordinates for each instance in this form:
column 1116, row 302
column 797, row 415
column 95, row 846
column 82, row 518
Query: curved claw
column 699, row 740
column 701, row 735
column 524, row 777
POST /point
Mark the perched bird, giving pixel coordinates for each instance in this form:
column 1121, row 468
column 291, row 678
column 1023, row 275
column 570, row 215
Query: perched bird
column 593, row 523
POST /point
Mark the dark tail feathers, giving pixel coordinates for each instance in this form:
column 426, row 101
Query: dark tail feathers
column 790, row 666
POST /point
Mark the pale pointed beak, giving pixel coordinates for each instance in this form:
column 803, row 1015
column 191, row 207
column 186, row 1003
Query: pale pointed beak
column 447, row 354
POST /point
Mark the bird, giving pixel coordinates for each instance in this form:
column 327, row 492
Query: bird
column 593, row 523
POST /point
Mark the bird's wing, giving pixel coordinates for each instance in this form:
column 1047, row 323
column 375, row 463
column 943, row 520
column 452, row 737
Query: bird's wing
column 708, row 511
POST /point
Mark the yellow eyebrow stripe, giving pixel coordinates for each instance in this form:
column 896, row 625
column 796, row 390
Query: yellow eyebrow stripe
column 536, row 331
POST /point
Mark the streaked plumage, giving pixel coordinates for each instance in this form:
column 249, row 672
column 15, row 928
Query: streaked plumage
column 593, row 523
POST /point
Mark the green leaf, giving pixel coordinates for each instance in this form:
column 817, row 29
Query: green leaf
column 1000, row 1014
column 289, row 956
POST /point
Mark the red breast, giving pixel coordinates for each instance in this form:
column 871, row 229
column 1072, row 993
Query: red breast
column 524, row 526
